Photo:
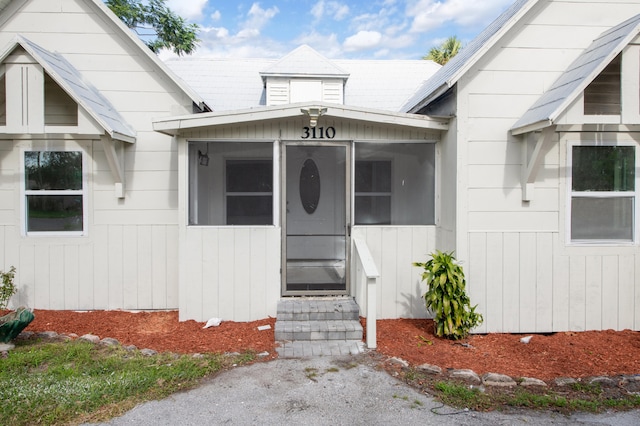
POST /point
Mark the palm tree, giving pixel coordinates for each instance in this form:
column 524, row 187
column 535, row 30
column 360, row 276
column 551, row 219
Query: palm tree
column 443, row 53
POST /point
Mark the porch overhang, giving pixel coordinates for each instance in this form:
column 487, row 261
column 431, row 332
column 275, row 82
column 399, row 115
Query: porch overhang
column 174, row 125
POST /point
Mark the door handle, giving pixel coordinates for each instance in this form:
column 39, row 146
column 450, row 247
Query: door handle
column 348, row 230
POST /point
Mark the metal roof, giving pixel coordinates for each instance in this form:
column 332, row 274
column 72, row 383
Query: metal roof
column 578, row 76
column 457, row 66
column 233, row 83
column 304, row 61
column 173, row 125
column 87, row 96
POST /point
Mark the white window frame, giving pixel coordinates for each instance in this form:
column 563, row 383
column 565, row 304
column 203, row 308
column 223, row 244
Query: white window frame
column 601, row 194
column 24, row 192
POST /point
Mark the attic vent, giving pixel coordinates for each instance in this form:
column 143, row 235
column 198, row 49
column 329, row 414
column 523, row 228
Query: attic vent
column 3, row 102
column 602, row 96
column 59, row 108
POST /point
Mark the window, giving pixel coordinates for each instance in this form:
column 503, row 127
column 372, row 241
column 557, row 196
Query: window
column 602, row 193
column 394, row 184
column 373, row 192
column 230, row 183
column 249, row 192
column 54, row 192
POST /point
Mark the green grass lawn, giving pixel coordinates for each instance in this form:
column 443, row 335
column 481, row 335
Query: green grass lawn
column 74, row 381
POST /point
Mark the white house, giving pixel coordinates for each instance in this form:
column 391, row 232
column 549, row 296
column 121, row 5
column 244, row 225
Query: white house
column 538, row 167
column 88, row 191
column 243, row 182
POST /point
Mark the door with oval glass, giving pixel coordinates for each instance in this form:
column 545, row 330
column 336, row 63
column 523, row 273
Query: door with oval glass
column 315, row 223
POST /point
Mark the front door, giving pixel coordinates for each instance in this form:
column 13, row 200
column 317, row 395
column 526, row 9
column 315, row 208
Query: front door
column 316, row 219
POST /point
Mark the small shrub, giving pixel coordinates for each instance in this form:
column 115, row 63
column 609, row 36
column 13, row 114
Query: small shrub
column 7, row 288
column 447, row 298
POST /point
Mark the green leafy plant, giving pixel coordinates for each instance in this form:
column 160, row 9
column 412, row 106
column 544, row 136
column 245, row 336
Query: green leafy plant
column 7, row 288
column 446, row 296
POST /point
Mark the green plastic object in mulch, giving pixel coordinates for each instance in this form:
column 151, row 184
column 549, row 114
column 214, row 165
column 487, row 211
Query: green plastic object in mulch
column 13, row 323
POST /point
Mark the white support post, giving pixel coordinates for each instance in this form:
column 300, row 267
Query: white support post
column 531, row 166
column 115, row 164
column 372, row 317
column 371, row 291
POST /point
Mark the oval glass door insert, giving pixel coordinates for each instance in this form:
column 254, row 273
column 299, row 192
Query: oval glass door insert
column 309, row 186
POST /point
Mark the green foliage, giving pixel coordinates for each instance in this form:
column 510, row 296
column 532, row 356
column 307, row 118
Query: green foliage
column 171, row 31
column 460, row 395
column 447, row 50
column 76, row 382
column 447, row 298
column 7, row 288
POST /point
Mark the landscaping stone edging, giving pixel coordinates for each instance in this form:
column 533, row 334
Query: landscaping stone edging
column 92, row 338
column 631, row 383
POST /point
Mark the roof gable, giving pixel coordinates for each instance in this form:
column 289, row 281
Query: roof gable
column 174, row 125
column 10, row 7
column 449, row 74
column 578, row 76
column 304, row 62
column 71, row 81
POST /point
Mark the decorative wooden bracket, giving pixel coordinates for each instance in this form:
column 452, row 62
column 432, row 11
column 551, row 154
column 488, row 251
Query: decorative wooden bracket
column 530, row 166
column 115, row 158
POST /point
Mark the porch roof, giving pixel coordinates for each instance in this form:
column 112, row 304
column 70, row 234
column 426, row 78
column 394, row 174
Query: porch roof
column 566, row 89
column 173, row 125
column 71, row 80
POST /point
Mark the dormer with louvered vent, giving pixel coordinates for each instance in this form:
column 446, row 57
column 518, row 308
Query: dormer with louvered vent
column 304, row 75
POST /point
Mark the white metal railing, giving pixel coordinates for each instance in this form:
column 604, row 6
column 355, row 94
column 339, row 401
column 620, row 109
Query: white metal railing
column 366, row 288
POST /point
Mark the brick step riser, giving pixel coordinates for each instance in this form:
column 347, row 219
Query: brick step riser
column 317, row 316
column 318, row 321
column 318, row 330
column 319, row 336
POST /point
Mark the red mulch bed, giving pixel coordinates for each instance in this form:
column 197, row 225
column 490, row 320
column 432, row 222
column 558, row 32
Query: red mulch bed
column 567, row 354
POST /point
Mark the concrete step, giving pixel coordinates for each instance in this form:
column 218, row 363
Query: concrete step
column 318, row 309
column 318, row 330
column 322, row 319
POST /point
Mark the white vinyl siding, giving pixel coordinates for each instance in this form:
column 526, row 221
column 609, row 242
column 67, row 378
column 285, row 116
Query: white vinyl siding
column 603, row 95
column 59, row 108
column 529, row 282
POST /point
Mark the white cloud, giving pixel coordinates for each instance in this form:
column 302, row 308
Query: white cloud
column 428, row 15
column 362, row 40
column 190, row 10
column 258, row 17
column 215, row 16
column 246, row 42
column 333, row 9
column 326, row 44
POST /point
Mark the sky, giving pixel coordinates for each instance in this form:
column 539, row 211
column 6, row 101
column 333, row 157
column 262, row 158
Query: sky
column 354, row 29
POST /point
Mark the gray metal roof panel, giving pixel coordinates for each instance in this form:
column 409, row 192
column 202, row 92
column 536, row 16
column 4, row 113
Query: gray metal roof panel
column 304, row 61
column 224, row 84
column 233, row 84
column 449, row 74
column 579, row 74
column 80, row 90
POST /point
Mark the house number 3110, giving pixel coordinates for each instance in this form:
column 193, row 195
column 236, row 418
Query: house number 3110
column 318, row 132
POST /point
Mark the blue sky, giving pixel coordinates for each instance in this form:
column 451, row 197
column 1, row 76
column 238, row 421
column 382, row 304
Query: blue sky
column 373, row 29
